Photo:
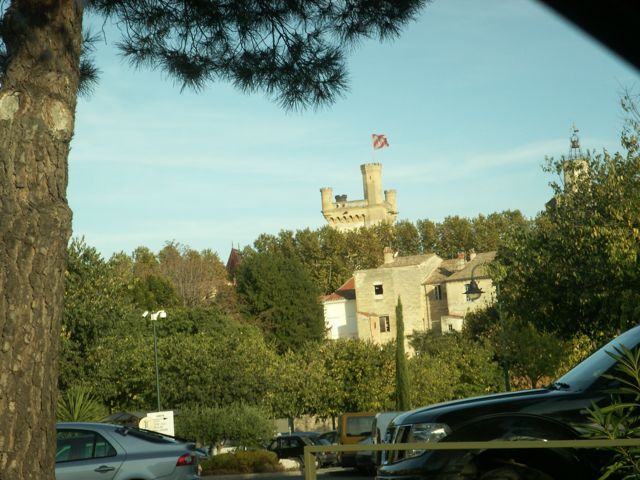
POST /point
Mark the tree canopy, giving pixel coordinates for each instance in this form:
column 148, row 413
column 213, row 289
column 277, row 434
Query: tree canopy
column 279, row 293
column 577, row 269
column 293, row 51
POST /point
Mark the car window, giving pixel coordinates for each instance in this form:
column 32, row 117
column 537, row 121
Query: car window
column 273, row 445
column 587, row 373
column 74, row 445
column 287, row 443
column 357, row 426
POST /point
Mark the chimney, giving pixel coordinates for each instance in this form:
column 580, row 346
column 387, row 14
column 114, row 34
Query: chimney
column 388, row 255
column 461, row 261
column 472, row 254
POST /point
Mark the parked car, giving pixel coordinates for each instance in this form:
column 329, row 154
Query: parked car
column 331, row 436
column 292, row 446
column 365, row 460
column 353, row 427
column 557, row 412
column 378, row 431
column 326, row 459
column 87, row 451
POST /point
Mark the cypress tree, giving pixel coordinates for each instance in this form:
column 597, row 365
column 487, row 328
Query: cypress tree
column 403, row 400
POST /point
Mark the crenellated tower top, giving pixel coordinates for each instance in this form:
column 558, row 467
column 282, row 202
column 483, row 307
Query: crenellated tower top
column 376, row 207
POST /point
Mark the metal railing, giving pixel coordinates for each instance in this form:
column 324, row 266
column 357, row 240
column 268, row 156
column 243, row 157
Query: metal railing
column 310, row 466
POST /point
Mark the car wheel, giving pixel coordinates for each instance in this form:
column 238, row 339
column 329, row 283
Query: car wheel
column 316, row 461
column 515, row 472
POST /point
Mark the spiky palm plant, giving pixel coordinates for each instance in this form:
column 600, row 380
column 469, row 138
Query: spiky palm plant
column 78, row 404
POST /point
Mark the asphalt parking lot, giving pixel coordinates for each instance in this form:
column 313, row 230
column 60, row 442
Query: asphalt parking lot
column 324, row 474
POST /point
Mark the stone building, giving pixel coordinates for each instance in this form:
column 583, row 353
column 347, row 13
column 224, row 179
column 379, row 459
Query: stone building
column 375, row 208
column 432, row 290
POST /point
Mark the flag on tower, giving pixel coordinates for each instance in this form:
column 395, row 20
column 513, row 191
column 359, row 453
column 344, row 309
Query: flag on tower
column 379, row 141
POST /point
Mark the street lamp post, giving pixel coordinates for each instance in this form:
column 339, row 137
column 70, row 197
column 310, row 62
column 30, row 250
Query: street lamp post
column 154, row 318
column 474, row 292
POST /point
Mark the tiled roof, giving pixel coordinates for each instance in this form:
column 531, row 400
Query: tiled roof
column 446, row 271
column 235, row 257
column 442, row 272
column 408, row 261
column 346, row 291
column 481, row 260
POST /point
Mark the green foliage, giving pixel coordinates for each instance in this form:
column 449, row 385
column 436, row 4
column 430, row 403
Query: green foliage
column 455, row 234
column 251, row 461
column 78, row 404
column 96, row 301
column 215, row 362
column 403, row 399
column 295, row 52
column 526, row 352
column 237, row 423
column 577, row 270
column 358, row 377
column 279, row 293
column 297, row 385
column 407, row 239
column 330, row 257
column 621, row 419
column 451, row 366
column 153, row 293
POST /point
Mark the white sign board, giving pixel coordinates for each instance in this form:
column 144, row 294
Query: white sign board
column 161, row 422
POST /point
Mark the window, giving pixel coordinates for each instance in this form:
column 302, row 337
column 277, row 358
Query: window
column 451, row 327
column 81, row 445
column 377, row 289
column 437, row 292
column 385, row 324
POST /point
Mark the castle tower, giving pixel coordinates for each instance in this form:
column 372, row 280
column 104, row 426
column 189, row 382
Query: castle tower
column 375, row 208
column 372, row 182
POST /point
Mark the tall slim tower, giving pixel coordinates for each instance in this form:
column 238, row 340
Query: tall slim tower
column 344, row 215
column 575, row 166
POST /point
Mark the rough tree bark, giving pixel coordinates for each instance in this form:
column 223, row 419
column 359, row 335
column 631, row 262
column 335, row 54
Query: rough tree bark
column 37, row 109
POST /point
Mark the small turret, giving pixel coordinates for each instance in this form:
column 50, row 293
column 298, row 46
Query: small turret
column 327, row 193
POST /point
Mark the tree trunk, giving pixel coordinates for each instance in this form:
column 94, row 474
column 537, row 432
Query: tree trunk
column 37, row 109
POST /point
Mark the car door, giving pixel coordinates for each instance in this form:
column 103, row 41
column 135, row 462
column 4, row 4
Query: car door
column 86, row 455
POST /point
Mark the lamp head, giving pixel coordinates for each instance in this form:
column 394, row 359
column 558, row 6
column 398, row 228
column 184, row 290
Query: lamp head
column 473, row 290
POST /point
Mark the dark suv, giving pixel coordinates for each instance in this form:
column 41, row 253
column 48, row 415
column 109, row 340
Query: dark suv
column 558, row 412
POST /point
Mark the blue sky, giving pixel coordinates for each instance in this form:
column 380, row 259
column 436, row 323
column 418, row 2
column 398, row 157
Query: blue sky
column 472, row 97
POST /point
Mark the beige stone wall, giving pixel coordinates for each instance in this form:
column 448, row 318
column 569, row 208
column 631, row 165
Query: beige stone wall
column 457, row 300
column 372, row 210
column 404, row 282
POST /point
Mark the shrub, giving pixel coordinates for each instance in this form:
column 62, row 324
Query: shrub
column 244, row 425
column 249, row 461
column 621, row 419
column 79, row 404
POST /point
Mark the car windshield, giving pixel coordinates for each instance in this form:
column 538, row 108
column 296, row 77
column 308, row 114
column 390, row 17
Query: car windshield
column 587, row 372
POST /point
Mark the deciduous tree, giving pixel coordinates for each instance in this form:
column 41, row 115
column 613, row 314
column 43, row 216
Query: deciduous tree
column 577, row 269
column 295, row 51
column 279, row 292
